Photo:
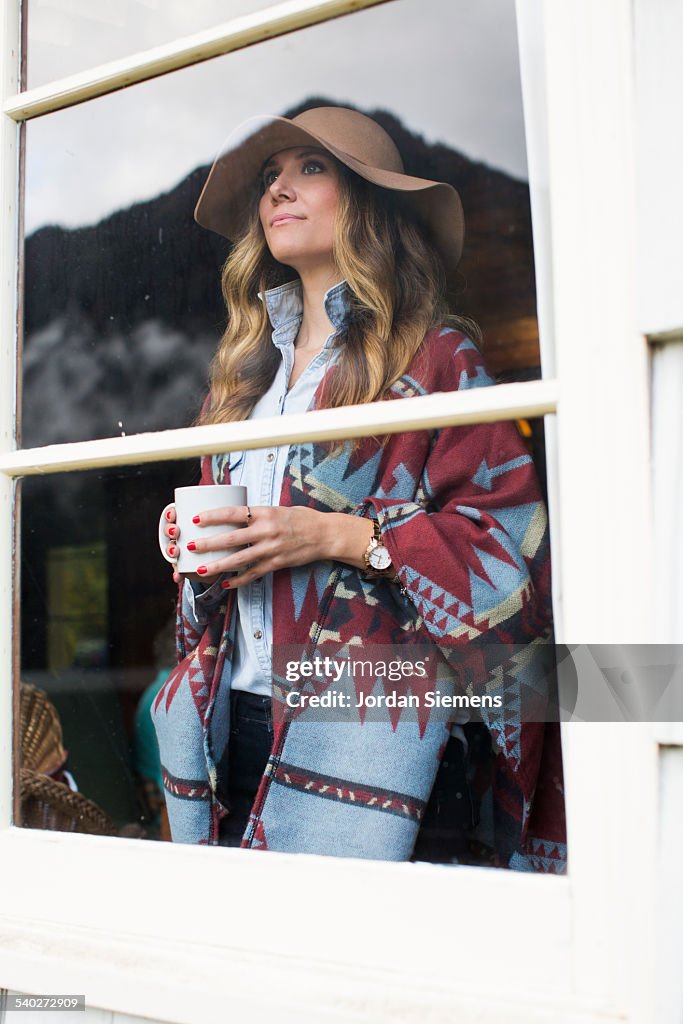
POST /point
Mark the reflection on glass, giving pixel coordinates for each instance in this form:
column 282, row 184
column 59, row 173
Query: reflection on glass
column 66, row 36
column 122, row 306
column 97, row 631
column 77, row 585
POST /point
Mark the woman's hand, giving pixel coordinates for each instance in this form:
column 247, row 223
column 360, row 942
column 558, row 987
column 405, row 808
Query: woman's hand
column 172, row 531
column 279, row 537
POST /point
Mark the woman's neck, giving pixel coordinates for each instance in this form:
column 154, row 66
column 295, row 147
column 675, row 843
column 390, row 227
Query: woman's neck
column 316, row 326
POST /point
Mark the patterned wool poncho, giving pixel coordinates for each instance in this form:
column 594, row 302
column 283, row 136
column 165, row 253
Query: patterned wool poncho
column 461, row 513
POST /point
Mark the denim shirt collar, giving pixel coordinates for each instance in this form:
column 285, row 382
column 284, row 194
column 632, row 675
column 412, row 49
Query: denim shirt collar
column 285, row 309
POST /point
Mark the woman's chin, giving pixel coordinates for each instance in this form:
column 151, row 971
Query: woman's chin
column 300, row 258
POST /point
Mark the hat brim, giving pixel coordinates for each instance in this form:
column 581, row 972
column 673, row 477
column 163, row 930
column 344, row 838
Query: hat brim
column 226, row 200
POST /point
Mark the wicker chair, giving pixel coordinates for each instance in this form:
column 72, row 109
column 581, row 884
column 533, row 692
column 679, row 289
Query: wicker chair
column 40, row 732
column 51, row 805
column 45, row 801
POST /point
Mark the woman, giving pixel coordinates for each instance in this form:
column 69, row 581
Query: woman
column 435, row 541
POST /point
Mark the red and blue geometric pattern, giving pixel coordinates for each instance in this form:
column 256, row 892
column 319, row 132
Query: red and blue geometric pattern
column 462, row 516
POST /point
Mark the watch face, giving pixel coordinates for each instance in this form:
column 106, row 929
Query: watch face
column 379, row 558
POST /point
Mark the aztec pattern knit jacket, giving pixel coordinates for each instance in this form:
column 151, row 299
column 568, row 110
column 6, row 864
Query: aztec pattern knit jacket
column 462, row 516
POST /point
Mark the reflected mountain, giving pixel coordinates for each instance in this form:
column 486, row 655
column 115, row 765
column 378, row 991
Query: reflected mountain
column 121, row 318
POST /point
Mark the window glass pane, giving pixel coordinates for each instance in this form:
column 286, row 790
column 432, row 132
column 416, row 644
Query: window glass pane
column 122, row 314
column 357, row 686
column 66, row 36
column 122, row 306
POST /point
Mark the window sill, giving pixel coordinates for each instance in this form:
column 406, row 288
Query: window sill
column 194, row 937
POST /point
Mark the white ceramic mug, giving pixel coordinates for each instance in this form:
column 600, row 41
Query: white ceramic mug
column 189, row 502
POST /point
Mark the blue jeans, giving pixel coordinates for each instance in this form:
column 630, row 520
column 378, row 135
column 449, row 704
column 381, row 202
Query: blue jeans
column 240, row 771
column 448, row 818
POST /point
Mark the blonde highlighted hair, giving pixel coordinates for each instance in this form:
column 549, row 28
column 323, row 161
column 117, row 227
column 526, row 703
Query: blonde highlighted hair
column 397, row 288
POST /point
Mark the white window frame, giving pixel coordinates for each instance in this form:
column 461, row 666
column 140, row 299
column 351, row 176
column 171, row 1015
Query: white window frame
column 180, row 933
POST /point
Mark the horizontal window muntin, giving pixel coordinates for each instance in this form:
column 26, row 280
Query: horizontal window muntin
column 138, row 67
column 480, row 405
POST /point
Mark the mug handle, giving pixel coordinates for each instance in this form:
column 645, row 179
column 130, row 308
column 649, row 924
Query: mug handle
column 163, row 539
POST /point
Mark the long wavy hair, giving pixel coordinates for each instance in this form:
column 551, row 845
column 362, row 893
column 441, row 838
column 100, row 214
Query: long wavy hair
column 398, row 290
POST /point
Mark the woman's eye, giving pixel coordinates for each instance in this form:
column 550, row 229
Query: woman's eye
column 308, row 167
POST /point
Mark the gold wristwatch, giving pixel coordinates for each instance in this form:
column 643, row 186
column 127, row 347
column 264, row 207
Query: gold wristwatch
column 376, row 556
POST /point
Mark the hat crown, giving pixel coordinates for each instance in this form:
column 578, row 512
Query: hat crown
column 352, row 133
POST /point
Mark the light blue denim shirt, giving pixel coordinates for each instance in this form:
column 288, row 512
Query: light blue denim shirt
column 262, row 472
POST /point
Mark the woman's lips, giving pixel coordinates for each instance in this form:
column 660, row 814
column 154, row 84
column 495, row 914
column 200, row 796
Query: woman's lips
column 283, row 218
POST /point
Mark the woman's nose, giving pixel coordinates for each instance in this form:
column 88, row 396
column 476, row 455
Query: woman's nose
column 281, row 187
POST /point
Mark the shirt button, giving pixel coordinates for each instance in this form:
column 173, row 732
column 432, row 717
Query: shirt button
column 270, row 456
column 257, row 634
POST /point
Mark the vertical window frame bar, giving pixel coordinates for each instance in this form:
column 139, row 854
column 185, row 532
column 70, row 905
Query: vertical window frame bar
column 603, row 462
column 10, row 56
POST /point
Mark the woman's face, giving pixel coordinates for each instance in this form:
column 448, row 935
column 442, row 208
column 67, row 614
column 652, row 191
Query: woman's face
column 299, row 206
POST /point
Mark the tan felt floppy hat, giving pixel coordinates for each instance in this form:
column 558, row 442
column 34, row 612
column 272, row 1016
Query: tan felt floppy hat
column 356, row 141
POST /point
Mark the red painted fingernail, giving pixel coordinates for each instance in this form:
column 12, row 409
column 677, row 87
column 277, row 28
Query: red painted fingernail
column 225, row 584
column 172, row 531
column 201, row 569
column 191, row 546
column 169, row 514
column 172, row 550
column 195, row 519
